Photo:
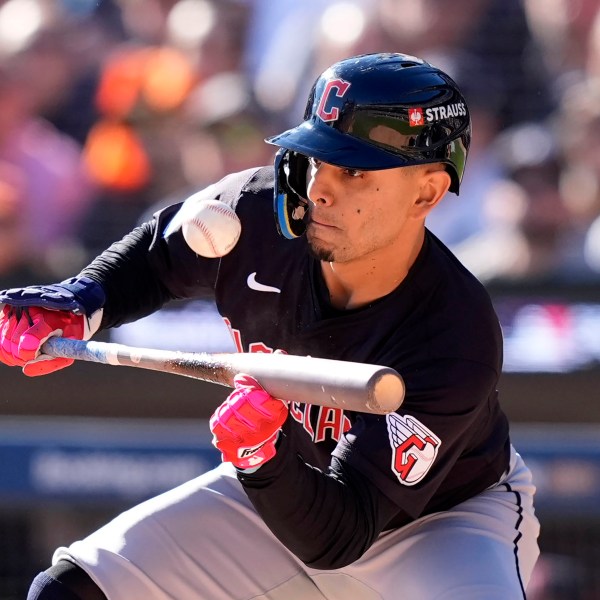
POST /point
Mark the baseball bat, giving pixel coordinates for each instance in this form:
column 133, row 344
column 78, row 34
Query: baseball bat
column 332, row 383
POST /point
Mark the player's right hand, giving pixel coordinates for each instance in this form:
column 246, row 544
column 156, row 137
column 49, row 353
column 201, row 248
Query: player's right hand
column 29, row 316
column 24, row 330
column 246, row 425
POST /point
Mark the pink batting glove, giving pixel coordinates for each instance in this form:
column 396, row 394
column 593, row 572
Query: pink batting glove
column 246, row 425
column 24, row 330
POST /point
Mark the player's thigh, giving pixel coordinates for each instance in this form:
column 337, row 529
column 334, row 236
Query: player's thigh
column 456, row 561
column 437, row 561
column 202, row 540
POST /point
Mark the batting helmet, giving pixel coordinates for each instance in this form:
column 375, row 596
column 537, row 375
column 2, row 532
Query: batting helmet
column 369, row 112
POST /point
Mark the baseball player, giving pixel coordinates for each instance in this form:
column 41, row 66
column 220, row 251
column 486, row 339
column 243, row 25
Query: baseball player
column 431, row 501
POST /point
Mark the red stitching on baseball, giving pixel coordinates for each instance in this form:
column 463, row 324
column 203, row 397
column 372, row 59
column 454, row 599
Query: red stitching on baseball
column 224, row 210
column 209, row 238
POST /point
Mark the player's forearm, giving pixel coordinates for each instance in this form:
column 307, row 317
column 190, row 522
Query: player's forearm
column 127, row 278
column 328, row 521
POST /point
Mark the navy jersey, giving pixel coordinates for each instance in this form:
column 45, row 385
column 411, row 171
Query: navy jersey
column 343, row 477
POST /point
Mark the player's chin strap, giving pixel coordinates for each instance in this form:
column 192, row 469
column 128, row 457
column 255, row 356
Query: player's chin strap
column 290, row 202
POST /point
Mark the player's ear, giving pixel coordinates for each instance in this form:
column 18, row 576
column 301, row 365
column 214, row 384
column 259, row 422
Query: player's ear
column 434, row 183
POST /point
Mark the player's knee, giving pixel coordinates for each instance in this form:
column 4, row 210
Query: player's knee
column 64, row 581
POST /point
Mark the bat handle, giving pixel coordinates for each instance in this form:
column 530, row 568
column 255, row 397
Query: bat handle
column 59, row 347
column 198, row 365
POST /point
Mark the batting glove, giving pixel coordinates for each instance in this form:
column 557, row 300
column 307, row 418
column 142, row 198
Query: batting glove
column 31, row 315
column 246, row 426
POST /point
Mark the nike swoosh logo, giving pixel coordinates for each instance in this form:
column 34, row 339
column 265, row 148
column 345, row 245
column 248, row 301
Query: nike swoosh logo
column 259, row 287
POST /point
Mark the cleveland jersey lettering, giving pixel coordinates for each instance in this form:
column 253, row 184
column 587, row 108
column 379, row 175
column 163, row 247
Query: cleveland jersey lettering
column 320, row 422
column 237, row 340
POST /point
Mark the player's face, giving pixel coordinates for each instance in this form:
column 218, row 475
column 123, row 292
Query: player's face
column 355, row 213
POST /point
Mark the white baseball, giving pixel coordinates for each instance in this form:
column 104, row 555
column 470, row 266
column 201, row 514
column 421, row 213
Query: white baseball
column 211, row 228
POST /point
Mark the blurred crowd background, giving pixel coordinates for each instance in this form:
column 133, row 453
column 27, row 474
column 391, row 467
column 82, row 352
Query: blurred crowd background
column 110, row 109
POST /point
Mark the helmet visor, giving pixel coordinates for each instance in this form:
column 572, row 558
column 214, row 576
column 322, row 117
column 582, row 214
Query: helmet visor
column 371, row 138
column 335, row 147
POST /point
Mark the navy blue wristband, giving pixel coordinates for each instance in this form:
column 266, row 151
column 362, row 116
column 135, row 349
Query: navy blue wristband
column 79, row 295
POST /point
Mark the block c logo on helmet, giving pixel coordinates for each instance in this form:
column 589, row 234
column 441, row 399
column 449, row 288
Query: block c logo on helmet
column 339, row 87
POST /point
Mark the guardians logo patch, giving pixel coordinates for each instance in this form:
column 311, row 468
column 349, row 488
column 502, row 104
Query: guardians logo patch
column 414, row 448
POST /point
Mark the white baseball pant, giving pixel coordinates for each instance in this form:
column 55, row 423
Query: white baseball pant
column 203, row 540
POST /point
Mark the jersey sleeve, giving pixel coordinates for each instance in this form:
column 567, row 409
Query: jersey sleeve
column 438, row 438
column 153, row 264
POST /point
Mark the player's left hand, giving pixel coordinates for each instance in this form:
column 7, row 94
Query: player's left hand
column 245, row 427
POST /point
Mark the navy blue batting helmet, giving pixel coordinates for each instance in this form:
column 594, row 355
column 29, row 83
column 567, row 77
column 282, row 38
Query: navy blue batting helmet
column 369, row 112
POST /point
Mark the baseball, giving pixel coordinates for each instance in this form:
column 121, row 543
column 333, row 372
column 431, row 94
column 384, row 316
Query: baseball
column 211, row 228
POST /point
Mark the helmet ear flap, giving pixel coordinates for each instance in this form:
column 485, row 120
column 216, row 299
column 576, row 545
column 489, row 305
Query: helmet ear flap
column 290, row 202
column 297, row 173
